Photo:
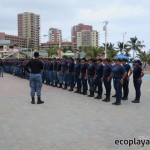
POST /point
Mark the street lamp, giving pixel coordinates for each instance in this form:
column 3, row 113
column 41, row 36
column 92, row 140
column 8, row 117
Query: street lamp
column 105, row 29
column 124, row 39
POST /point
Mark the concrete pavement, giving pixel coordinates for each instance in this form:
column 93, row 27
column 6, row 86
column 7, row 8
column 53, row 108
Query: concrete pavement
column 68, row 121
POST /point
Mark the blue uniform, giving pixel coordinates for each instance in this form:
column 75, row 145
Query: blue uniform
column 64, row 66
column 126, row 81
column 55, row 77
column 91, row 73
column 118, row 72
column 107, row 70
column 137, row 83
column 71, row 74
column 99, row 74
column 77, row 74
column 83, row 69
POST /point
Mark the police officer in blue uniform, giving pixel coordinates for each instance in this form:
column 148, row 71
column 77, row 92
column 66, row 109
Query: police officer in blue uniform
column 36, row 67
column 137, row 80
column 59, row 73
column 126, row 79
column 71, row 74
column 107, row 77
column 99, row 74
column 91, row 74
column 1, row 68
column 77, row 75
column 83, row 76
column 119, row 74
column 64, row 68
column 55, row 77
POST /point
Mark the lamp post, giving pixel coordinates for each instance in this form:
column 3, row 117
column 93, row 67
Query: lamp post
column 105, row 29
column 124, row 39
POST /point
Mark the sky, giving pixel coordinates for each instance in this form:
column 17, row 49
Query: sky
column 131, row 16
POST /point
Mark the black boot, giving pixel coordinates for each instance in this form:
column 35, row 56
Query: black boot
column 104, row 99
column 91, row 94
column 98, row 97
column 33, row 100
column 107, row 99
column 76, row 91
column 39, row 101
column 65, row 88
column 116, row 103
column 70, row 90
column 136, row 101
column 60, row 85
column 124, row 98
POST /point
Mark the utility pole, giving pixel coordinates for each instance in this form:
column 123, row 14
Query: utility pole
column 124, row 39
column 105, row 29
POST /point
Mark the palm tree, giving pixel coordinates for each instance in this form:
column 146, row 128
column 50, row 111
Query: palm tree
column 93, row 51
column 135, row 45
column 144, row 56
column 122, row 47
column 111, row 54
column 52, row 51
column 110, row 46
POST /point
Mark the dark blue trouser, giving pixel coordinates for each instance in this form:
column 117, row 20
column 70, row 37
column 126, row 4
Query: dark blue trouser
column 107, row 85
column 84, row 83
column 137, row 85
column 125, row 88
column 35, row 84
column 55, row 77
column 1, row 71
column 65, row 77
column 78, row 81
column 43, row 76
column 118, row 89
column 100, row 86
column 91, row 83
column 71, row 80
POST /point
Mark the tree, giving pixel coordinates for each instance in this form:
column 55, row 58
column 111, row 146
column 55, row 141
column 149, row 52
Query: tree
column 112, row 53
column 135, row 45
column 64, row 49
column 122, row 47
column 144, row 56
column 52, row 51
column 93, row 51
column 110, row 46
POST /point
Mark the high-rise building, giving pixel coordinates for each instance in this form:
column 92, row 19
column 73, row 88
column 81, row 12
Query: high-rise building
column 29, row 27
column 79, row 28
column 55, row 35
column 87, row 38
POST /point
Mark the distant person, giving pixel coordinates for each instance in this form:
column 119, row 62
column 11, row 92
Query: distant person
column 36, row 67
column 137, row 80
column 1, row 68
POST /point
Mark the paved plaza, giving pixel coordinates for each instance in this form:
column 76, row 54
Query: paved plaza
column 68, row 121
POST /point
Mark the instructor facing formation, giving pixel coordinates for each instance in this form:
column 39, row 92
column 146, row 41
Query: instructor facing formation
column 35, row 67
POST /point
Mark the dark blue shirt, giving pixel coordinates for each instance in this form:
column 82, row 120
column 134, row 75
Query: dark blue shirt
column 99, row 71
column 91, row 70
column 127, row 67
column 55, row 66
column 64, row 65
column 137, row 72
column 83, row 68
column 107, row 70
column 118, row 72
column 59, row 67
column 77, row 68
column 71, row 67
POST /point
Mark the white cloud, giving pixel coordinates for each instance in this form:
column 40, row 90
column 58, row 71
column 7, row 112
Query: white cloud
column 115, row 11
